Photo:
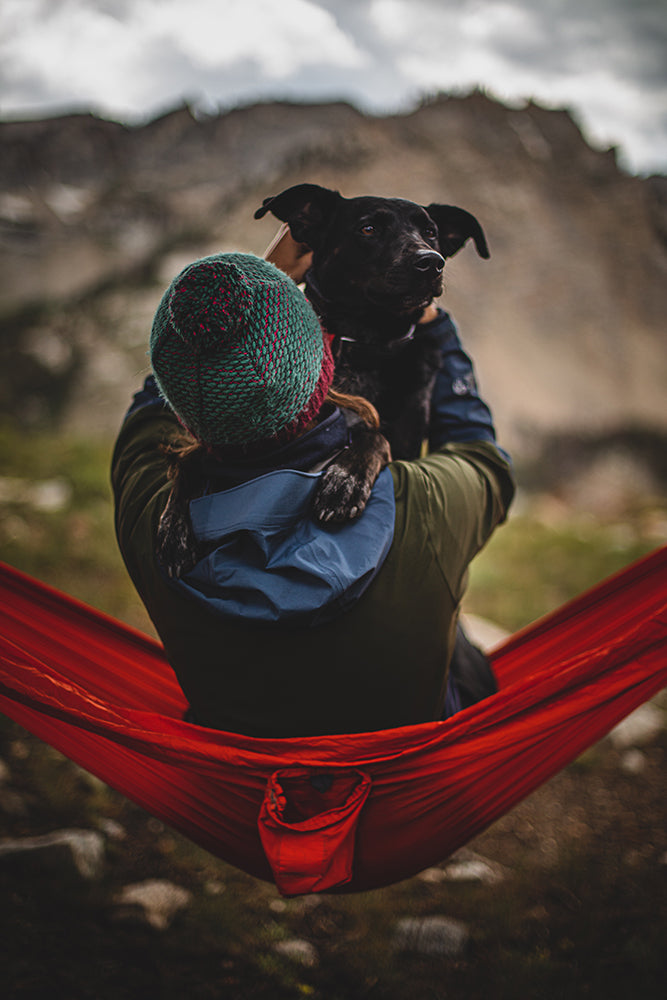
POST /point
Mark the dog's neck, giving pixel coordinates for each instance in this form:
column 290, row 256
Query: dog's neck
column 374, row 332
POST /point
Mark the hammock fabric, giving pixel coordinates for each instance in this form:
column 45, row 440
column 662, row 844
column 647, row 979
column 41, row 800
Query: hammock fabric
column 342, row 813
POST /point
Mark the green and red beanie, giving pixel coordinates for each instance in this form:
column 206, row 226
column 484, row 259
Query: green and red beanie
column 239, row 353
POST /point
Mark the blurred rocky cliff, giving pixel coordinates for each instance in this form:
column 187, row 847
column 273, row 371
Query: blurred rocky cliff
column 566, row 321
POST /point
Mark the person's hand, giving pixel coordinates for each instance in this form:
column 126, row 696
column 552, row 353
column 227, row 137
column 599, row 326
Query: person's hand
column 291, row 257
column 429, row 314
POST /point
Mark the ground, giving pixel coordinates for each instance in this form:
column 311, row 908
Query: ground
column 580, row 911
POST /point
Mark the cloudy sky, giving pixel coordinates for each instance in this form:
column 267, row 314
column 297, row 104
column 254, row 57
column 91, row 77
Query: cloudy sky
column 131, row 59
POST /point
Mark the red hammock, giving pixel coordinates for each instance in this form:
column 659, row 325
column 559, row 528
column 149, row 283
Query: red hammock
column 345, row 812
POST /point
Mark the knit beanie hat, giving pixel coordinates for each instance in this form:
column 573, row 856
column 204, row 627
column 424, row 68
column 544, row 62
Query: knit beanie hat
column 238, row 352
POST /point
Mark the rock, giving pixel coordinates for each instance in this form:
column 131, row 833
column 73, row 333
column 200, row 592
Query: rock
column 78, row 851
column 302, row 904
column 214, row 887
column 483, row 633
column 638, row 728
column 156, row 899
column 471, row 871
column 19, row 749
column 437, row 935
column 12, row 803
column 464, row 866
column 298, row 950
column 112, row 829
column 433, row 875
column 633, row 761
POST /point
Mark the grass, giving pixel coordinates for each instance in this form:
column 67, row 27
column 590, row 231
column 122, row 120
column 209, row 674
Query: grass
column 70, row 545
column 531, row 567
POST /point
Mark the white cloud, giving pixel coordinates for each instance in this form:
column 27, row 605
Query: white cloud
column 117, row 58
column 281, row 37
column 456, row 47
column 445, row 26
column 614, row 110
column 73, row 53
column 485, row 21
column 521, row 51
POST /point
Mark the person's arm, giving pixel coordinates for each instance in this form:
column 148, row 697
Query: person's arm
column 139, row 469
column 458, row 412
column 457, row 495
column 291, row 257
column 466, row 480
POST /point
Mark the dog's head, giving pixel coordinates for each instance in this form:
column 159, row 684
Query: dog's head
column 375, row 253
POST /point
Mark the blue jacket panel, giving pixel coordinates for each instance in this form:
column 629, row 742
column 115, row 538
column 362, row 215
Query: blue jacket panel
column 272, row 562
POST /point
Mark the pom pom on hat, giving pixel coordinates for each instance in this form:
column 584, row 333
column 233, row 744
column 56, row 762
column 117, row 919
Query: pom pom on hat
column 238, row 352
column 206, row 303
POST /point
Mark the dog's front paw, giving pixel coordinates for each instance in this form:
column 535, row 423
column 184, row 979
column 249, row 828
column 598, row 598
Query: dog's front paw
column 342, row 494
column 347, row 482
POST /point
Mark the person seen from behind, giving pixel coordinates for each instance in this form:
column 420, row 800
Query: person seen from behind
column 286, row 626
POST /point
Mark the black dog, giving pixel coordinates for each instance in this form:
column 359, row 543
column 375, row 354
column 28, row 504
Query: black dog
column 377, row 263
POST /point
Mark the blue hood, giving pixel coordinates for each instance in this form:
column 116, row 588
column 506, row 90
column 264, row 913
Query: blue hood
column 272, row 562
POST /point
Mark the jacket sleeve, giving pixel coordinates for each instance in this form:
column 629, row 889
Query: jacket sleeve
column 456, row 497
column 458, row 413
column 139, row 472
column 463, row 488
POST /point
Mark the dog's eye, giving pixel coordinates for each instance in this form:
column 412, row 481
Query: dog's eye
column 431, row 233
column 367, row 229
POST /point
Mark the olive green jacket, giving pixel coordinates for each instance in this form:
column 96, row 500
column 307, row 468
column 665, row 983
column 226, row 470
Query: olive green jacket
column 379, row 664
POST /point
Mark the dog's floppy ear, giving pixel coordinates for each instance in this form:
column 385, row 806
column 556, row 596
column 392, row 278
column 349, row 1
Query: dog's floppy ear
column 306, row 208
column 455, row 226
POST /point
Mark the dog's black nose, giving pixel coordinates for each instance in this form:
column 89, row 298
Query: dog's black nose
column 429, row 262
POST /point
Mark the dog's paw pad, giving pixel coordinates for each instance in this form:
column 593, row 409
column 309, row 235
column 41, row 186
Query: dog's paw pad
column 341, row 496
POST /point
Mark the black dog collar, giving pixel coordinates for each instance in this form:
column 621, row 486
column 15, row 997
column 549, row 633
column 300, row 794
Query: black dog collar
column 389, row 347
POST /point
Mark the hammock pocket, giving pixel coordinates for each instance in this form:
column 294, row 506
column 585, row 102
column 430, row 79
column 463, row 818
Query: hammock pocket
column 343, row 813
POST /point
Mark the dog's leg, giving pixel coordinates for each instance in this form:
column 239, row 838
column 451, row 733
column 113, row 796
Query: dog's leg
column 405, row 406
column 408, row 433
column 348, row 480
